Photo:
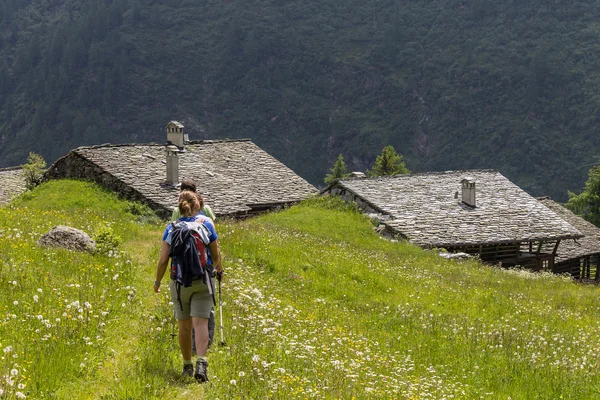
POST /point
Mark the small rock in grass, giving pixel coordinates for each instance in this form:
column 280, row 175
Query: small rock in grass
column 67, row 238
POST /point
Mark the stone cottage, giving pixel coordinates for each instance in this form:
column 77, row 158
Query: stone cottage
column 580, row 258
column 478, row 212
column 236, row 177
column 12, row 183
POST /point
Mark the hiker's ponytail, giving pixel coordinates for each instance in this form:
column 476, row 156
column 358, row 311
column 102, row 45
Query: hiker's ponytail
column 188, row 203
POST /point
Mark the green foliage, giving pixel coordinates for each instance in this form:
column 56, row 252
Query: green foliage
column 331, row 279
column 107, row 242
column 330, row 203
column 33, row 171
column 388, row 163
column 136, row 208
column 507, row 85
column 316, row 305
column 338, row 171
column 62, row 308
column 587, row 203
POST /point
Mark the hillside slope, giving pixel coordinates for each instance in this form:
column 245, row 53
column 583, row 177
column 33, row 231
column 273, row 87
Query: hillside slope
column 451, row 84
column 309, row 312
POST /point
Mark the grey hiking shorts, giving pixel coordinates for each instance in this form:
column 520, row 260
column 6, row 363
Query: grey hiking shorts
column 196, row 300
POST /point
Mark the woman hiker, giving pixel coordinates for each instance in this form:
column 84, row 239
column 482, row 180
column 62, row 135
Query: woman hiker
column 205, row 210
column 192, row 304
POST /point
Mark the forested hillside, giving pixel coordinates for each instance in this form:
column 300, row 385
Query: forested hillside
column 452, row 84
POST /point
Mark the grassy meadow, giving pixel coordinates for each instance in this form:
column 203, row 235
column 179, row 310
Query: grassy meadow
column 317, row 305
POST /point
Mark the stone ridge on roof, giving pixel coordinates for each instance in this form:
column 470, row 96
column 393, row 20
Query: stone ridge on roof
column 423, row 208
column 235, row 176
column 97, row 146
column 588, row 245
column 12, row 183
column 416, row 174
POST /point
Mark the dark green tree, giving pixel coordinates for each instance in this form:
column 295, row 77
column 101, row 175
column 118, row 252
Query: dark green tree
column 338, row 171
column 389, row 162
column 587, row 203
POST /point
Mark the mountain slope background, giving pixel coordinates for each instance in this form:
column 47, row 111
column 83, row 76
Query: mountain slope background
column 451, row 84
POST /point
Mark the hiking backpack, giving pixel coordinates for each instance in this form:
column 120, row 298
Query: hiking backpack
column 189, row 254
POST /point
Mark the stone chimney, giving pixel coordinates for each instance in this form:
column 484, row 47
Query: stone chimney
column 468, row 191
column 172, row 164
column 175, row 135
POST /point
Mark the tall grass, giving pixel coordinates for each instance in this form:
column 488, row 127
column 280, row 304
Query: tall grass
column 57, row 306
column 317, row 305
column 323, row 307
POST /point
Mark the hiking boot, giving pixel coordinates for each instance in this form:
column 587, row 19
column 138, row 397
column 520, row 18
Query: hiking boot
column 201, row 374
column 188, row 370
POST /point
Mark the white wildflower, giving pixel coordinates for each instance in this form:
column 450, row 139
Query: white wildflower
column 256, row 358
column 20, row 395
column 14, row 372
column 35, row 298
column 232, row 382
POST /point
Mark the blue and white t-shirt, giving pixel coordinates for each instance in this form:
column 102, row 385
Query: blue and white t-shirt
column 201, row 219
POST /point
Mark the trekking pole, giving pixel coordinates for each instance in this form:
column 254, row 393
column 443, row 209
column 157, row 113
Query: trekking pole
column 211, row 287
column 222, row 342
column 173, row 334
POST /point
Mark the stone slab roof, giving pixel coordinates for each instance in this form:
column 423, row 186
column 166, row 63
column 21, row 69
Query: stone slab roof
column 569, row 249
column 235, row 176
column 425, row 209
column 11, row 183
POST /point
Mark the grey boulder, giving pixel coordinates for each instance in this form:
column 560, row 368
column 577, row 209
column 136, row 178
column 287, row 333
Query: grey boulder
column 67, row 238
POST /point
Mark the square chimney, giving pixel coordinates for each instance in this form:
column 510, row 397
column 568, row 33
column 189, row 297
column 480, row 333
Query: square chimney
column 468, row 191
column 172, row 164
column 175, row 134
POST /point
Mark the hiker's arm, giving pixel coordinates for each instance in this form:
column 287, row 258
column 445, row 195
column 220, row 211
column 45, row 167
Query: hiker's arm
column 215, row 254
column 163, row 262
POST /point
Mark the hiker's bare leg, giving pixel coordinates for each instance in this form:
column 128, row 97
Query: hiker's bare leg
column 185, row 338
column 201, row 332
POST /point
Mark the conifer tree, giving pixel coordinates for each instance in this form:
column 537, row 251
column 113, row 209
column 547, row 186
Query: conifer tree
column 389, row 162
column 587, row 203
column 338, row 171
